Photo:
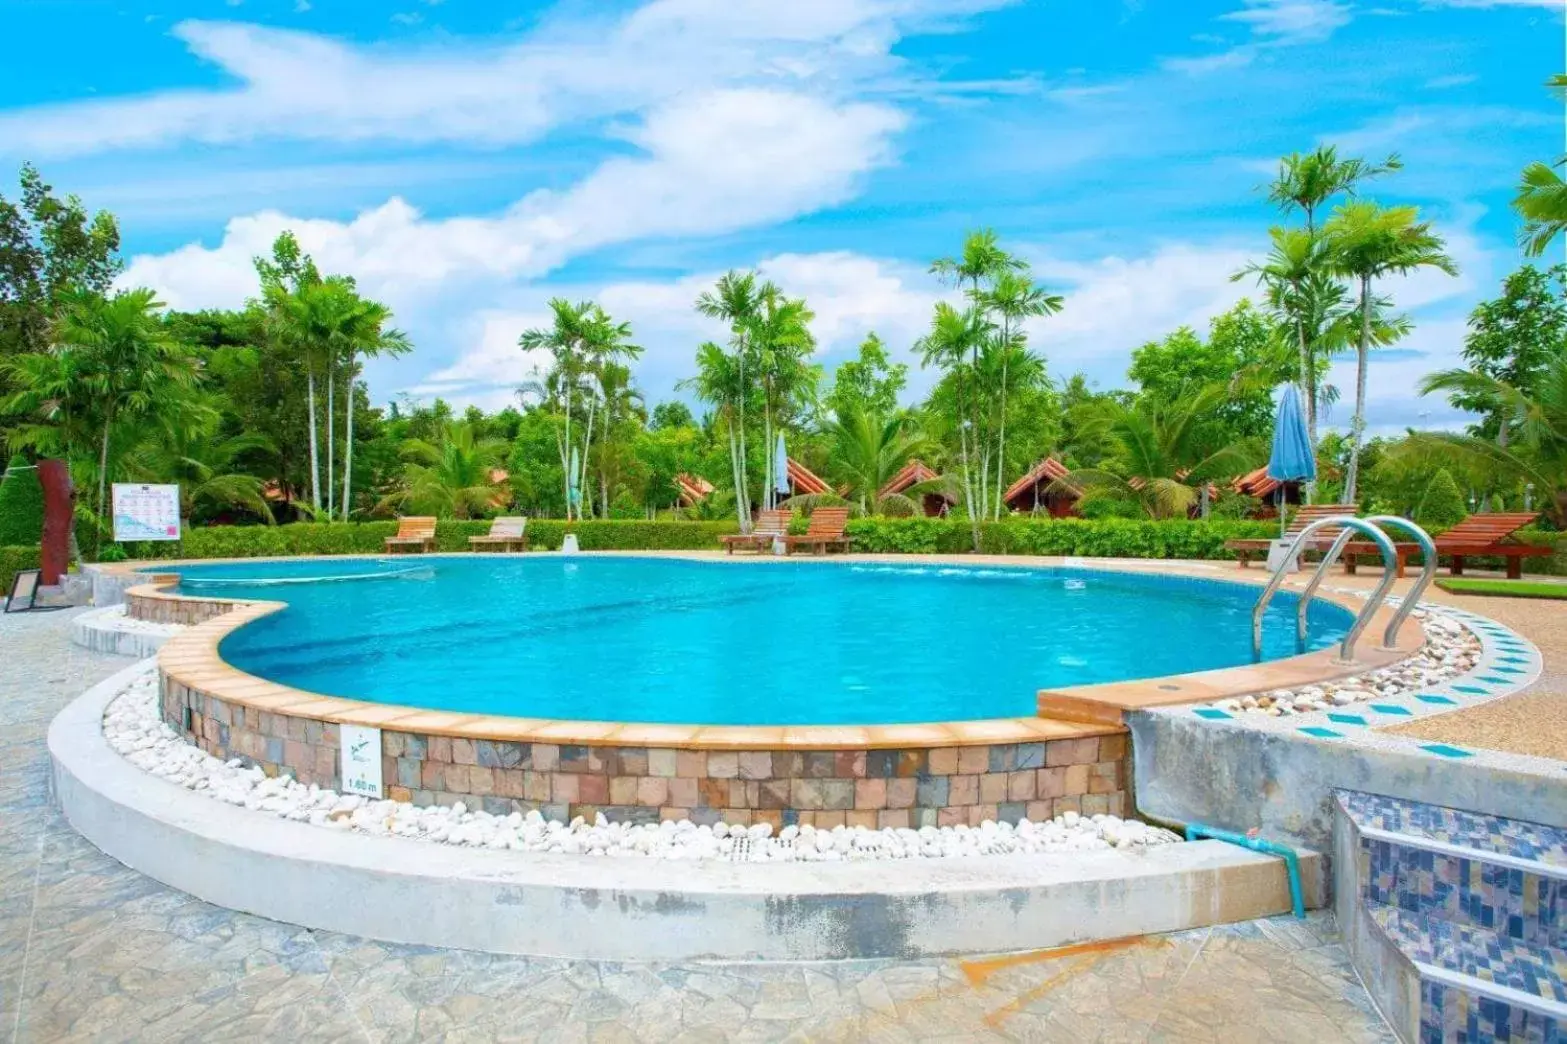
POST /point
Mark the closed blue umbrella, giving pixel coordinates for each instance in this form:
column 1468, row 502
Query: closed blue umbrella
column 780, row 467
column 1292, row 459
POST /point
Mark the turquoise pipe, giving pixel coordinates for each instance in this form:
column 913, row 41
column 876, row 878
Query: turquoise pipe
column 1257, row 844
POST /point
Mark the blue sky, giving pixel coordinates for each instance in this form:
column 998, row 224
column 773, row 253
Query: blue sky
column 466, row 161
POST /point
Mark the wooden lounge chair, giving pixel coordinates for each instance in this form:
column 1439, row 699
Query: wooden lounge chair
column 1478, row 536
column 1321, row 541
column 415, row 533
column 826, row 530
column 770, row 525
column 506, row 533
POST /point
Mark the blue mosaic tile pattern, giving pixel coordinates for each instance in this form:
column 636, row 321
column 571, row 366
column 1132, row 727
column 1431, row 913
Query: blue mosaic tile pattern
column 1320, row 732
column 1513, row 837
column 1448, row 1014
column 1392, row 708
column 1540, row 971
column 1444, row 750
column 1524, row 906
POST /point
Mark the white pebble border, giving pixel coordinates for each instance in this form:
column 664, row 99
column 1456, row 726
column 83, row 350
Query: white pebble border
column 1451, row 649
column 133, row 728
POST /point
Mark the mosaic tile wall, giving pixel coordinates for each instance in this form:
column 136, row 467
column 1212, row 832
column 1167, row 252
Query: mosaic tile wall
column 1511, row 902
column 1448, row 1014
column 915, row 787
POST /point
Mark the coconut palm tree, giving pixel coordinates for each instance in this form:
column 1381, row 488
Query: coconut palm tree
column 720, row 380
column 365, row 334
column 453, row 475
column 1156, row 457
column 1368, row 242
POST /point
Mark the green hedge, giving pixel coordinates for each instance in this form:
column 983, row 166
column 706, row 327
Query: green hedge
column 348, row 538
column 1102, row 538
column 13, row 559
column 21, row 505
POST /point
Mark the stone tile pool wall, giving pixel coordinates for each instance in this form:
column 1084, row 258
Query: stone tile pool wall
column 875, row 788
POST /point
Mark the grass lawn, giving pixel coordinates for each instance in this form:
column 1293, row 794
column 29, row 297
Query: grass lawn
column 1504, row 588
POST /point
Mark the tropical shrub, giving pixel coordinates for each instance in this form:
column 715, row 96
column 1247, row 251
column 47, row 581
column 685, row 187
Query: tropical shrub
column 21, row 505
column 13, row 559
column 1442, row 504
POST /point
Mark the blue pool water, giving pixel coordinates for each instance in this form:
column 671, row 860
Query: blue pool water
column 669, row 640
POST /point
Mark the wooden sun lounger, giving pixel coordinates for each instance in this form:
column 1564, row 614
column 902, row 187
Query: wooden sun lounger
column 770, row 526
column 506, row 533
column 1478, row 536
column 1245, row 549
column 826, row 531
column 414, row 533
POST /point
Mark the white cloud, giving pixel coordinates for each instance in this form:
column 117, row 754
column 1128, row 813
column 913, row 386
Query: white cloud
column 1273, row 23
column 711, row 163
column 303, row 86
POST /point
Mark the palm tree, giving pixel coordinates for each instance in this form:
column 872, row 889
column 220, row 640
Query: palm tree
column 623, row 405
column 982, row 259
column 207, row 464
column 737, row 300
column 452, row 476
column 1542, row 203
column 1300, row 288
column 868, row 450
column 952, row 345
column 719, row 380
column 781, row 341
column 1307, row 180
column 1014, row 297
column 1157, row 458
column 1538, row 453
column 365, row 334
column 581, row 339
column 1542, row 196
column 1368, row 242
column 113, row 362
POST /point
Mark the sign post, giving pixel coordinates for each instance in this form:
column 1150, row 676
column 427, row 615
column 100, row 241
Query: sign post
column 360, row 759
column 144, row 512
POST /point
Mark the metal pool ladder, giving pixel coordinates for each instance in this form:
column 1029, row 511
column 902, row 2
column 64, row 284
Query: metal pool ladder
column 1371, row 527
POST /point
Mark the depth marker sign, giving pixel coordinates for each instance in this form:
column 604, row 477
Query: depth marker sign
column 361, row 760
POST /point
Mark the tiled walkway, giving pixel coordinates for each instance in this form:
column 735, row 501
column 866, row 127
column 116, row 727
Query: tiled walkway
column 92, row 951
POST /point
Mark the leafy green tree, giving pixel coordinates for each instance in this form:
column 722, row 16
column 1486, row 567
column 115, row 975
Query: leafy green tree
column 868, row 383
column 1369, row 242
column 1244, row 351
column 1443, row 502
column 664, row 453
column 533, row 465
column 672, row 414
column 1513, row 339
column 21, row 505
column 51, row 251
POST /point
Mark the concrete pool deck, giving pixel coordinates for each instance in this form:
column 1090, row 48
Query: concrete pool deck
column 91, row 950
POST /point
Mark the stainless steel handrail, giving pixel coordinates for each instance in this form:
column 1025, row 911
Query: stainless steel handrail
column 1349, row 523
column 1427, row 572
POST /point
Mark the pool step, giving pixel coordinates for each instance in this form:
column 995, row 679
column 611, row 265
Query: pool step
column 1454, row 920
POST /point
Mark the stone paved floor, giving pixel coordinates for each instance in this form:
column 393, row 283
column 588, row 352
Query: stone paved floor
column 90, row 950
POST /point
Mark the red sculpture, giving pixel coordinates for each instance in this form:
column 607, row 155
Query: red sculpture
column 59, row 515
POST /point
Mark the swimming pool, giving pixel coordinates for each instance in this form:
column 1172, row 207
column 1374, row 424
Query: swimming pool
column 669, row 640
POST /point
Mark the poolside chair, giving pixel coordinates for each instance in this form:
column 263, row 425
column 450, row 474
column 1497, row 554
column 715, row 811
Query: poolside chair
column 1483, row 536
column 506, row 534
column 770, row 526
column 415, row 533
column 1321, row 541
column 825, row 530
